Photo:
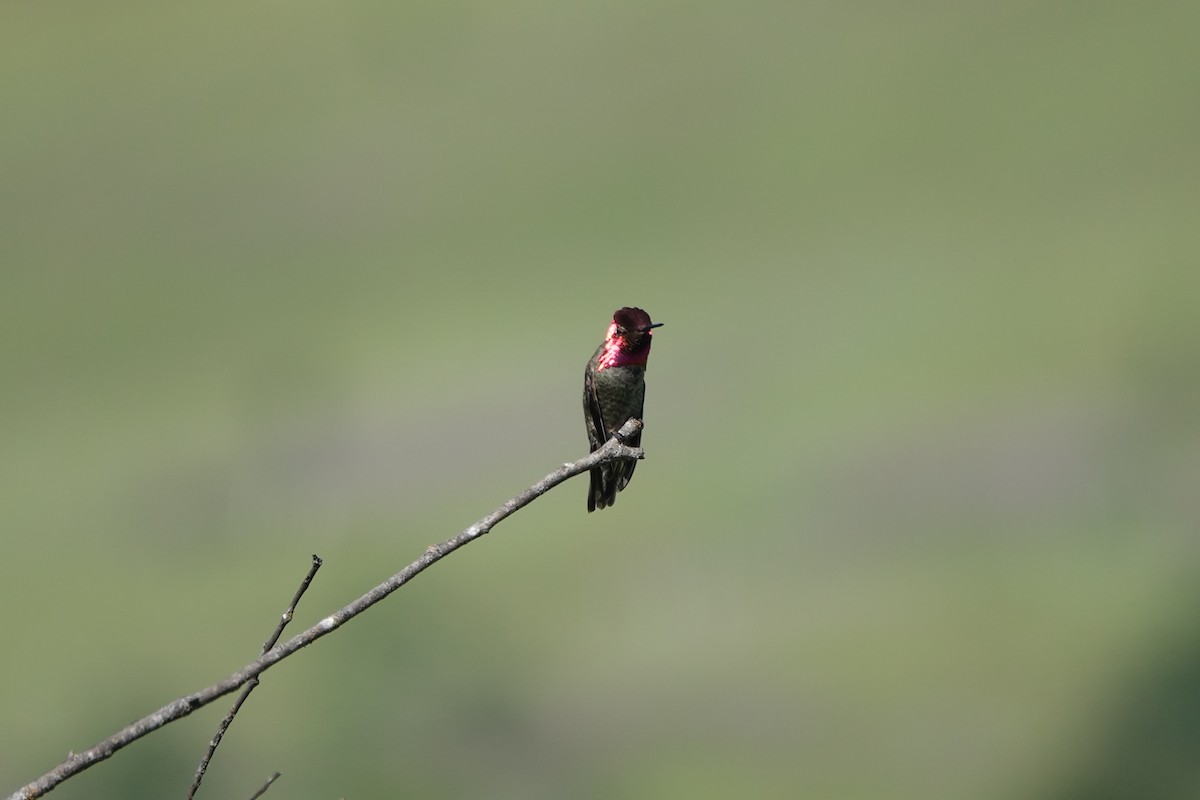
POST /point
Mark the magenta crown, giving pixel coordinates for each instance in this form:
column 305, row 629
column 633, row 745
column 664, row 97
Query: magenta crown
column 628, row 339
column 632, row 319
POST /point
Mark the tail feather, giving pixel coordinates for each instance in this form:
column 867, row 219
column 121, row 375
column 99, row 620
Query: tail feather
column 606, row 481
column 596, row 491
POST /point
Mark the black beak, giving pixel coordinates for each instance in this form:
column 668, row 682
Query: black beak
column 655, row 325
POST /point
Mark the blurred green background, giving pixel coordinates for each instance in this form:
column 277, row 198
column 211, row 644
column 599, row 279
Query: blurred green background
column 919, row 512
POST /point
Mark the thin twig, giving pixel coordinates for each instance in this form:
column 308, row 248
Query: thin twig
column 290, row 611
column 612, row 450
column 284, row 619
column 263, row 789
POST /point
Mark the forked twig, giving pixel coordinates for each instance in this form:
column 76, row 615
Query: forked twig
column 612, row 450
column 284, row 619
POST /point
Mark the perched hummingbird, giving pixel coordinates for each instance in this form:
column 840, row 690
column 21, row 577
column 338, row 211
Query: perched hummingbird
column 613, row 389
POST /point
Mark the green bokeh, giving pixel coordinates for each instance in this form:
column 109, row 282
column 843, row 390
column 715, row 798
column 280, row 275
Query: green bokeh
column 919, row 515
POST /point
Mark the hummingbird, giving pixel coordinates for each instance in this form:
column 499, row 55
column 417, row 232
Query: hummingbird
column 614, row 387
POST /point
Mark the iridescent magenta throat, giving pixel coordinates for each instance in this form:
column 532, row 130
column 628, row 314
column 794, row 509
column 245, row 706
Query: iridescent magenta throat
column 618, row 352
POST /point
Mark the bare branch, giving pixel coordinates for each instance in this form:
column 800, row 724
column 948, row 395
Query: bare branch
column 612, row 450
column 249, row 687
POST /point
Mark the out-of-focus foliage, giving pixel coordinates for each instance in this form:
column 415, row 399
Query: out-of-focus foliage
column 919, row 513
